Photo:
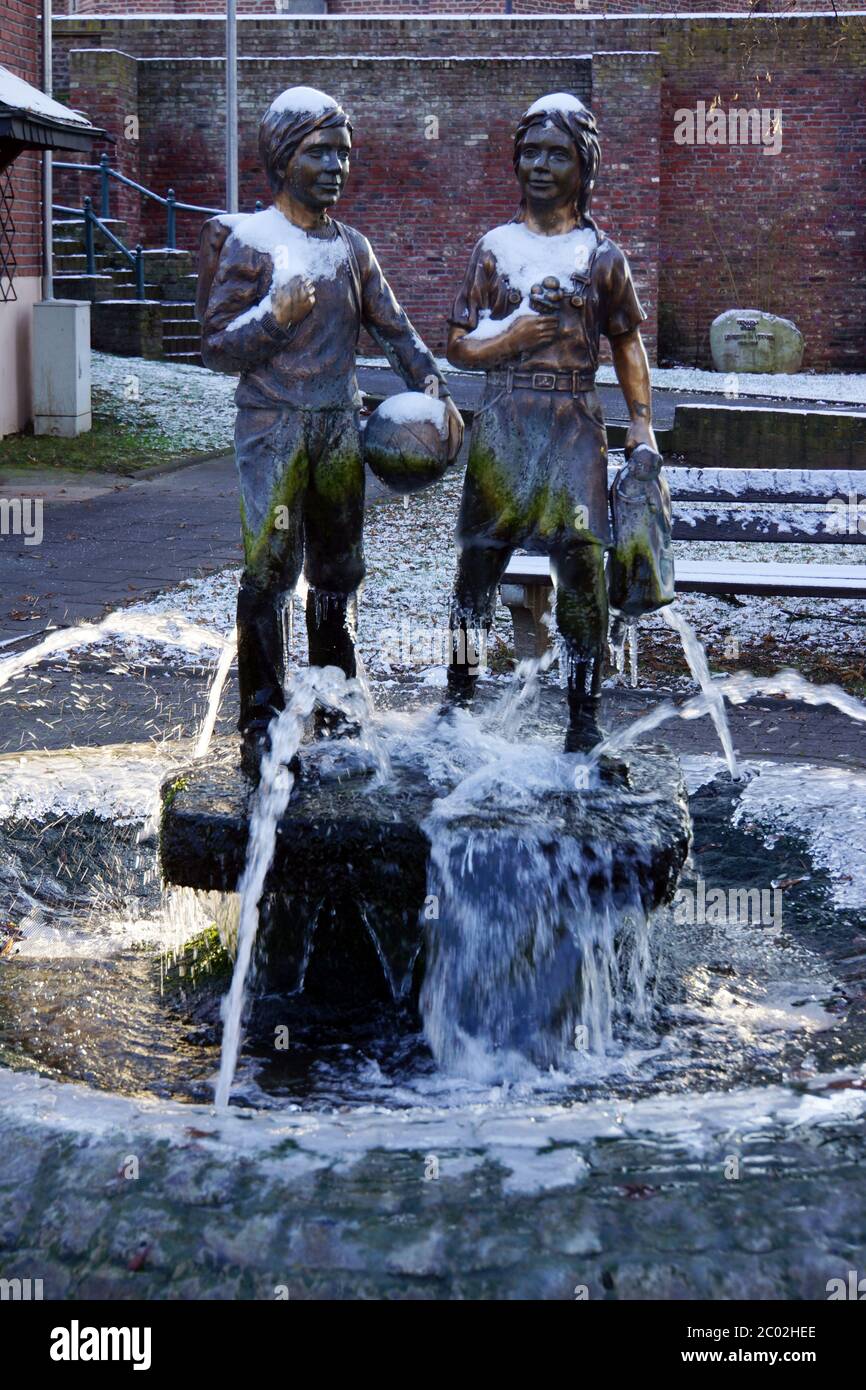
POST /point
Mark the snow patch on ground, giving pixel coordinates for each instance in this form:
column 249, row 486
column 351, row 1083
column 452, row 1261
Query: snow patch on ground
column 826, row 806
column 189, row 409
column 112, row 784
column 403, row 620
column 830, row 388
column 410, row 549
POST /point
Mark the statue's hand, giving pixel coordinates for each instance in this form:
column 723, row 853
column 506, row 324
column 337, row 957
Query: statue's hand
column 640, row 432
column 455, row 429
column 292, row 301
column 530, row 331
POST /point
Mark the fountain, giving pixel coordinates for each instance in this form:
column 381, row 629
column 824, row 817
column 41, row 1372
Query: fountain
column 495, row 898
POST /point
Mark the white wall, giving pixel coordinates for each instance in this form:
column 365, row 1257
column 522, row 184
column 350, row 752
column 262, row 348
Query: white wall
column 15, row 325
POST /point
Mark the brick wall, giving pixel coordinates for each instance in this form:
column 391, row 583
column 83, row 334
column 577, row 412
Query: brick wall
column 21, row 52
column 182, row 7
column 779, row 232
column 457, row 7
column 626, row 90
column 733, row 225
column 429, row 174
column 106, row 81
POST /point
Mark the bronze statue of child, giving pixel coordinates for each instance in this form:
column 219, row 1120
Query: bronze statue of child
column 285, row 304
column 537, row 295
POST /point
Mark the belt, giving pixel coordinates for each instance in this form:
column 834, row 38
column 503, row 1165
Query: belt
column 575, row 382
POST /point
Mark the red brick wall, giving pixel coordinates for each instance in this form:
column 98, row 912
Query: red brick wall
column 21, row 52
column 423, row 202
column 625, row 101
column 781, row 232
column 457, row 7
column 106, row 82
column 733, row 224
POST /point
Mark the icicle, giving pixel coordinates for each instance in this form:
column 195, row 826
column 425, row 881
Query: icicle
column 632, row 654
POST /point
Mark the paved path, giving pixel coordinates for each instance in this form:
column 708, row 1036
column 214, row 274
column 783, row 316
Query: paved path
column 109, row 540
column 100, row 551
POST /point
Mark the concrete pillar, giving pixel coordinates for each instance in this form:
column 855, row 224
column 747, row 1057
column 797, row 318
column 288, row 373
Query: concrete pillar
column 61, row 368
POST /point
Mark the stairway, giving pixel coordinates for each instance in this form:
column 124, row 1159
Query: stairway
column 181, row 333
column 169, row 285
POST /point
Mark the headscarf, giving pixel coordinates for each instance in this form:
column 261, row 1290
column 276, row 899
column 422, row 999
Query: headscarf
column 292, row 116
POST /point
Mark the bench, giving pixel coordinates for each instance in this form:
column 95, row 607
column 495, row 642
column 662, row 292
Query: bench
column 789, row 505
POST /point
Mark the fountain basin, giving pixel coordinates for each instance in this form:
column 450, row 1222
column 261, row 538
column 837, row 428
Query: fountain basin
column 348, row 897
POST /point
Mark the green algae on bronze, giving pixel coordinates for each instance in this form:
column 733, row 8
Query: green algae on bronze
column 632, row 570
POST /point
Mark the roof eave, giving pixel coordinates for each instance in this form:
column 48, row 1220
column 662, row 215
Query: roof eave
column 36, row 132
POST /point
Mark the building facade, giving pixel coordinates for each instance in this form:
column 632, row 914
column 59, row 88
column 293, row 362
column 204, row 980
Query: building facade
column 733, row 144
column 20, row 223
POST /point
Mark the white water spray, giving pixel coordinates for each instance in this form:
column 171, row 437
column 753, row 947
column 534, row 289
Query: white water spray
column 127, row 624
column 329, row 687
column 699, row 667
column 227, row 656
column 738, row 689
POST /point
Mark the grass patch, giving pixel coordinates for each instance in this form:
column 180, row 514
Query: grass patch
column 111, row 446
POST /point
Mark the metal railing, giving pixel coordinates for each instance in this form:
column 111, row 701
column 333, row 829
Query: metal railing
column 91, row 223
column 169, row 202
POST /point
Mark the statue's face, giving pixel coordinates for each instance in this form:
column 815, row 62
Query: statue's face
column 549, row 167
column 319, row 168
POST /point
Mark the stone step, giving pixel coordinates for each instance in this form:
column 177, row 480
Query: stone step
column 91, row 287
column 180, row 310
column 175, row 344
column 69, row 262
column 73, row 230
column 193, row 359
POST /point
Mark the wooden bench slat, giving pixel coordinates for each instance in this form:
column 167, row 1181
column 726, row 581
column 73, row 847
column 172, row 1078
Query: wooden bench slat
column 730, row 577
column 762, row 484
column 770, row 579
column 807, row 525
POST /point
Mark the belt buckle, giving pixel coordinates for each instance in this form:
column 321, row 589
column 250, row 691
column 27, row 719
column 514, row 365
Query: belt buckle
column 544, row 381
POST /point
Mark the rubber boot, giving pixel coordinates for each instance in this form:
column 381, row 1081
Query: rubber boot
column 463, row 670
column 261, row 670
column 584, row 702
column 261, row 655
column 584, row 706
column 331, row 637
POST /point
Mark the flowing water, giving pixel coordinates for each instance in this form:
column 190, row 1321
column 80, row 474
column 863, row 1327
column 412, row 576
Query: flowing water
column 697, row 663
column 453, row 1152
column 327, row 688
column 227, row 656
column 121, row 627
